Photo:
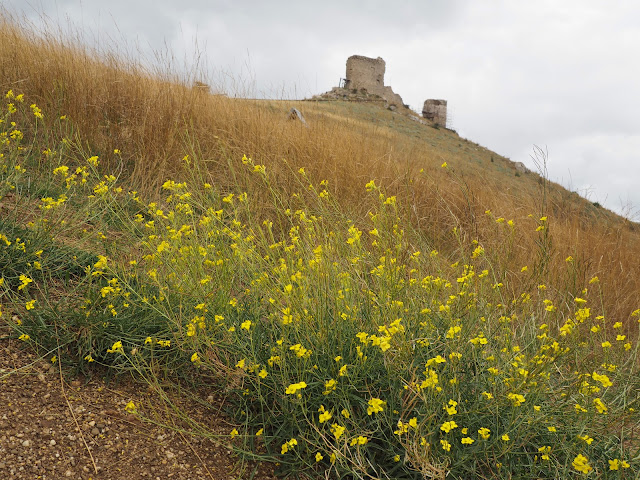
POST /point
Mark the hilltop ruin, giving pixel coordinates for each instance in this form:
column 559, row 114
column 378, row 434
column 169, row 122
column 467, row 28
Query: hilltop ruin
column 436, row 111
column 364, row 82
column 364, row 73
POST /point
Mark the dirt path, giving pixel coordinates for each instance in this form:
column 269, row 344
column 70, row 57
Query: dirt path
column 40, row 438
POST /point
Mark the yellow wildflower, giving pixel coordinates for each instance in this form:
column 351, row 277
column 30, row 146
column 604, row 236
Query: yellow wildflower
column 451, row 407
column 586, row 438
column 337, row 430
column 375, row 405
column 581, row 464
column 24, row 281
column 603, row 379
column 288, row 446
column 545, row 450
column 600, row 406
column 329, row 386
column 616, row 463
column 359, row 440
column 516, row 398
column 324, row 416
column 116, row 348
column 294, row 387
column 448, row 426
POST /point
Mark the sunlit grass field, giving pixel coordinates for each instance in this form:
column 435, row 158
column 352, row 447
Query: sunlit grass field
column 374, row 297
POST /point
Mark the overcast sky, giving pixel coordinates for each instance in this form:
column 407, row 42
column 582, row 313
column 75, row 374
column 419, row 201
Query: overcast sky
column 516, row 73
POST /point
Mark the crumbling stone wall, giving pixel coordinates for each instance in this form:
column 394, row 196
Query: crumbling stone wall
column 365, row 72
column 436, row 111
column 368, row 74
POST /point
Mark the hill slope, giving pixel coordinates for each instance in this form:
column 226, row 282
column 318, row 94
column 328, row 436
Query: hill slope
column 373, row 297
column 154, row 121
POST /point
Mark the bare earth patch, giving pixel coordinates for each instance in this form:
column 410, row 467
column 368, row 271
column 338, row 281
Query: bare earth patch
column 40, row 439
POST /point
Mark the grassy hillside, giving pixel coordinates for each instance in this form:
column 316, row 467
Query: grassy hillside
column 378, row 298
column 114, row 103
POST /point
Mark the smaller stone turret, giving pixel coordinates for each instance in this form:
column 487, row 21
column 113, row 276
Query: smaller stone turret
column 436, row 111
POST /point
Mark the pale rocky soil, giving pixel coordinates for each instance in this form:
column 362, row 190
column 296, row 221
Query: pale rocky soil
column 40, row 411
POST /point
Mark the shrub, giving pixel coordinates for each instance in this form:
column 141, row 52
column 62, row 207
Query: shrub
column 347, row 347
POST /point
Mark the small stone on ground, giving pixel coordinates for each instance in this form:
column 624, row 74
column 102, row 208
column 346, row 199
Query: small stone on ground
column 39, row 437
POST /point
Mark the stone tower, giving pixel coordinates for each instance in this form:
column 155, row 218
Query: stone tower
column 365, row 72
column 368, row 74
column 436, row 111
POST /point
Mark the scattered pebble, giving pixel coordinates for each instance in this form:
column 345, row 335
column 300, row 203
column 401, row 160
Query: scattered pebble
column 39, row 437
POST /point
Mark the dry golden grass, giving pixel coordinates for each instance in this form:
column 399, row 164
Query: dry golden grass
column 113, row 102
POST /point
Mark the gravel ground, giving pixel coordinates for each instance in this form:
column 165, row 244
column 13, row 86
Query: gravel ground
column 52, row 428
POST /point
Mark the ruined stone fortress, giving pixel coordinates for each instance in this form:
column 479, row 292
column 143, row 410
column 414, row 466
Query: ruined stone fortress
column 368, row 74
column 365, row 79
